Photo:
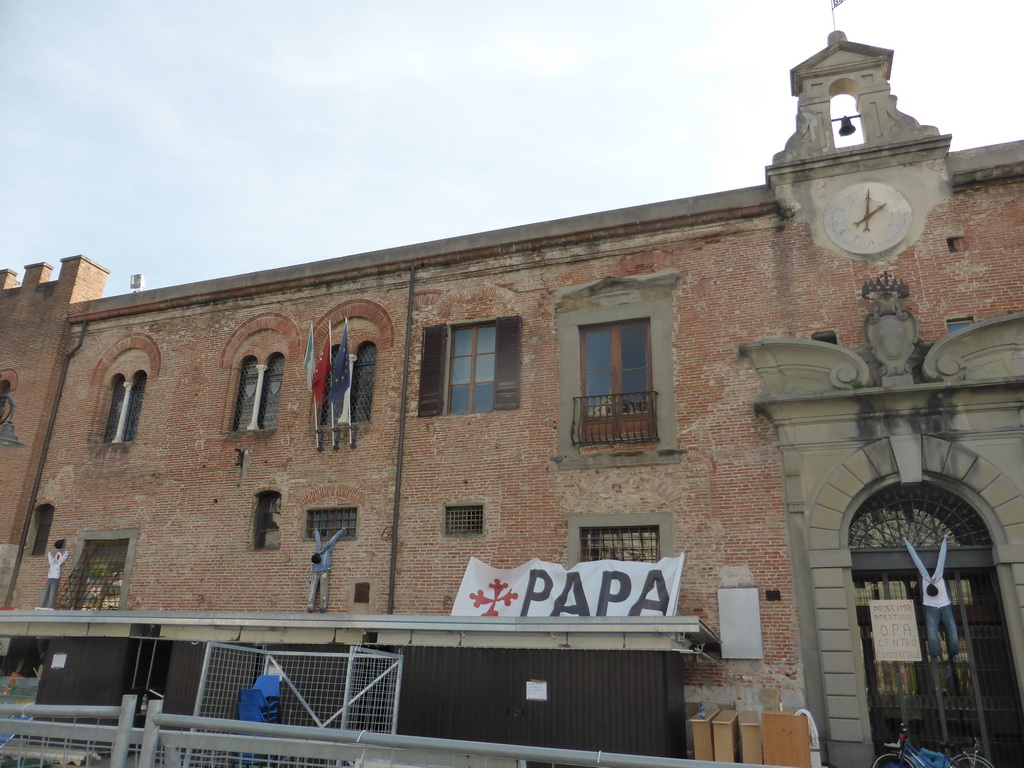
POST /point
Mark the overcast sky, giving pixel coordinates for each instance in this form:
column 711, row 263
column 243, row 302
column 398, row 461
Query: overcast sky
column 193, row 139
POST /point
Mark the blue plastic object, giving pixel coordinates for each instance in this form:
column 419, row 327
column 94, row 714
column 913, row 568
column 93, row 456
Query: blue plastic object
column 270, row 687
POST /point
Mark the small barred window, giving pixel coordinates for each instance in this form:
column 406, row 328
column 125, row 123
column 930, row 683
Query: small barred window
column 464, row 520
column 628, row 543
column 330, row 521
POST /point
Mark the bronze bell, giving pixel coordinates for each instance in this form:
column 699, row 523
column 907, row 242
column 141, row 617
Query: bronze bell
column 846, row 126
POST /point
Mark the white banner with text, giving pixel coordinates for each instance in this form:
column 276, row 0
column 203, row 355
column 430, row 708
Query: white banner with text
column 599, row 588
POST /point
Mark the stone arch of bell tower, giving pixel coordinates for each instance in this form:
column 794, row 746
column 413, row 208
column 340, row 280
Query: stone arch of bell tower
column 852, row 69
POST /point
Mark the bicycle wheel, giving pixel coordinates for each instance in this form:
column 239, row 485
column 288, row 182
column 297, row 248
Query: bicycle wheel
column 889, row 760
column 969, row 760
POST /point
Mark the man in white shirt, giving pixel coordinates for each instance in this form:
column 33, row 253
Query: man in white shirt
column 938, row 608
column 56, row 560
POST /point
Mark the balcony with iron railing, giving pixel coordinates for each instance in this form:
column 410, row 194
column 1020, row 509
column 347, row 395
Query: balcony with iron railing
column 630, row 417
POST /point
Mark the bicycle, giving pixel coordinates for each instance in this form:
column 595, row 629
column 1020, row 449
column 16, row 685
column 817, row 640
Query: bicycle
column 909, row 756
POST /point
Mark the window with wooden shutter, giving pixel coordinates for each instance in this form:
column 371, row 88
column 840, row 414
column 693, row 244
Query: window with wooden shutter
column 507, row 364
column 471, row 368
column 432, row 369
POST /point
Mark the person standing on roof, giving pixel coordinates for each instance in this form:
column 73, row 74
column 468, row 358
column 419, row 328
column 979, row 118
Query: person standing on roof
column 56, row 560
column 321, row 571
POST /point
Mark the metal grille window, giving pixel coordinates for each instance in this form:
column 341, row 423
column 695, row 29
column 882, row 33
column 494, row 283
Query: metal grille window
column 639, row 543
column 464, row 520
column 330, row 521
column 922, row 514
column 259, row 391
column 98, row 579
column 271, row 392
column 246, row 393
column 44, row 520
column 114, row 416
column 138, row 391
column 362, row 382
column 267, row 524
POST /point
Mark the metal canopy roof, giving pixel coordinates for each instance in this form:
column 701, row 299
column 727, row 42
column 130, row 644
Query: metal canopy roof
column 685, row 634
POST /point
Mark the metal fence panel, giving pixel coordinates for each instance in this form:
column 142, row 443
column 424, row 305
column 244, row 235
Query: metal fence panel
column 357, row 690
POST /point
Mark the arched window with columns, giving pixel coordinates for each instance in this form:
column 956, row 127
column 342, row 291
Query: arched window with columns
column 125, row 408
column 259, row 393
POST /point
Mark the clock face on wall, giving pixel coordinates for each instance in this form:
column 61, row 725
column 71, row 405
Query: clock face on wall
column 868, row 218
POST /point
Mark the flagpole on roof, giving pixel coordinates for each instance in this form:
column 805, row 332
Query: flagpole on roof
column 835, row 4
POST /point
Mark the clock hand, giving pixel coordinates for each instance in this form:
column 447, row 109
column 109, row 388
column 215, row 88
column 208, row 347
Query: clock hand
column 868, row 213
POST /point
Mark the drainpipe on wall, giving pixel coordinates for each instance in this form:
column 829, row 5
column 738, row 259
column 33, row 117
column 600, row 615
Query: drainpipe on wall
column 9, row 600
column 401, row 444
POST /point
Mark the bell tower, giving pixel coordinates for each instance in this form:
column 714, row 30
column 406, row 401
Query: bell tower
column 867, row 201
column 860, row 71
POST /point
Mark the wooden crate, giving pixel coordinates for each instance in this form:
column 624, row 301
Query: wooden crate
column 786, row 739
column 750, row 737
column 726, row 729
column 703, row 746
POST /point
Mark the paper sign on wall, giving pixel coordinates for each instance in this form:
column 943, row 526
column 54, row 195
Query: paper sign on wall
column 894, row 630
column 536, row 690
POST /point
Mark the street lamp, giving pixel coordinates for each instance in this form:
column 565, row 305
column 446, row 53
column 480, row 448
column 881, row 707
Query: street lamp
column 7, row 437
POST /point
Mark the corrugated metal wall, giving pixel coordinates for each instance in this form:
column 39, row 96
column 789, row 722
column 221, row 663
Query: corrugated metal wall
column 94, row 671
column 614, row 701
column 183, row 675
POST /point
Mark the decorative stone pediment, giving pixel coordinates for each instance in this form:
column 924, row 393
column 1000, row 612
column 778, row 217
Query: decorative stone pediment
column 860, row 71
column 798, row 367
column 990, row 349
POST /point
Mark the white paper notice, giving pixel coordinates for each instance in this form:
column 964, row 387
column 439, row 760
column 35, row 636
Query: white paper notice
column 536, row 690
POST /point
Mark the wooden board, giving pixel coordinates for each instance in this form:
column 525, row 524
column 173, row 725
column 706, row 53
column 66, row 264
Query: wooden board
column 703, row 746
column 726, row 730
column 750, row 737
column 786, row 739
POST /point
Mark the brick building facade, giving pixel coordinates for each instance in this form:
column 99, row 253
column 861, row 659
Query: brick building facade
column 735, row 376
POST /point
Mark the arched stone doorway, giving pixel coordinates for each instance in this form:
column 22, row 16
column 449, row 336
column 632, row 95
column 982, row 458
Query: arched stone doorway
column 963, row 687
column 845, row 568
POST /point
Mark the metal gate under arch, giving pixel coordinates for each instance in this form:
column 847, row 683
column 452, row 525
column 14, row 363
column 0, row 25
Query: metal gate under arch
column 974, row 694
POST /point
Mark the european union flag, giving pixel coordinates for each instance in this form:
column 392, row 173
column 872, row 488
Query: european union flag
column 340, row 377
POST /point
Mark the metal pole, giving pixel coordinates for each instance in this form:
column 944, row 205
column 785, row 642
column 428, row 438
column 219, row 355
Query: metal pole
column 393, row 568
column 150, row 736
column 122, row 739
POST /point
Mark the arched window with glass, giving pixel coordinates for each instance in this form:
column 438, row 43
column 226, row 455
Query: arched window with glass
column 259, row 393
column 267, row 521
column 126, row 398
column 363, row 372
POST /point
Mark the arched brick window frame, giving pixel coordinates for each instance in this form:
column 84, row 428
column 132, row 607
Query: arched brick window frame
column 361, row 340
column 270, row 341
column 266, row 522
column 116, row 368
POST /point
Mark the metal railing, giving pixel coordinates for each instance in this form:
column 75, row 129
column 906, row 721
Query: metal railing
column 630, row 417
column 59, row 734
